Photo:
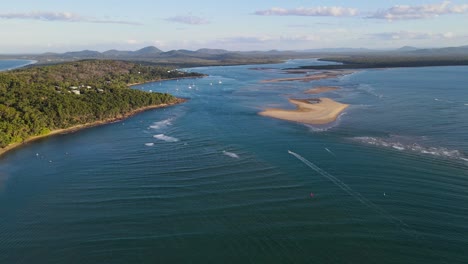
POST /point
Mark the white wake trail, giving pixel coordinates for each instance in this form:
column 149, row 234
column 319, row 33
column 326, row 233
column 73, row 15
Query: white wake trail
column 329, row 151
column 348, row 190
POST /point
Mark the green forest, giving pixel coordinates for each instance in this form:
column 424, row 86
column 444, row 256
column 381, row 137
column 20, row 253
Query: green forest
column 37, row 100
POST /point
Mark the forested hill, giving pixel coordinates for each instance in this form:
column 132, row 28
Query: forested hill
column 37, row 100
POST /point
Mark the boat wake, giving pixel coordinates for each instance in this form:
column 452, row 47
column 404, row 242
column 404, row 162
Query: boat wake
column 343, row 186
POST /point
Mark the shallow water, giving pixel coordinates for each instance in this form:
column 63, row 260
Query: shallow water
column 212, row 181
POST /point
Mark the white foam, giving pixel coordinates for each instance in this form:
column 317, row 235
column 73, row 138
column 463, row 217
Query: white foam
column 161, row 124
column 166, row 138
column 399, row 147
column 394, row 143
column 149, row 144
column 230, row 154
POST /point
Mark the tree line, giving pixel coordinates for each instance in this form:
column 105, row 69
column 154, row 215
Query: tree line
column 37, row 100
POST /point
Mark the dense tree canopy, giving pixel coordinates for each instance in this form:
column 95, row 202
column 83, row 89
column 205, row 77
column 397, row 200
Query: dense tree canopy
column 36, row 100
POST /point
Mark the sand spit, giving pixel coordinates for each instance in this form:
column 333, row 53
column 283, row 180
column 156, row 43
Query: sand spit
column 316, row 111
column 321, row 89
column 312, row 77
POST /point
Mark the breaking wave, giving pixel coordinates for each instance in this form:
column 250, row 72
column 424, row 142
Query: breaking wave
column 394, row 143
column 149, row 144
column 166, row 138
column 230, row 154
column 161, row 124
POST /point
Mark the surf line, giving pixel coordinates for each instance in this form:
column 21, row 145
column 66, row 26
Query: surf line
column 351, row 192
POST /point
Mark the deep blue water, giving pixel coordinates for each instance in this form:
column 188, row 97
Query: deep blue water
column 12, row 64
column 211, row 181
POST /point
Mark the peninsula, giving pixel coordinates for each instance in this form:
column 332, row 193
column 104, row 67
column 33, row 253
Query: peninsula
column 41, row 101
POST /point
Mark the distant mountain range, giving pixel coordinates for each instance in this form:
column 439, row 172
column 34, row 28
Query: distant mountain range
column 462, row 50
column 207, row 56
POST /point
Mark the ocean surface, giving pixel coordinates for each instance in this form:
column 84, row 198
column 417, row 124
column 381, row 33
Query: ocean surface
column 211, row 181
column 6, row 65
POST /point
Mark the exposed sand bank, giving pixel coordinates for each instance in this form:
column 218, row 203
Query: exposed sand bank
column 317, row 111
column 312, row 77
column 321, row 89
column 87, row 125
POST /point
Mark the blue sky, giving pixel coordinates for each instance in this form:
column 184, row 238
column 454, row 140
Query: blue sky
column 57, row 25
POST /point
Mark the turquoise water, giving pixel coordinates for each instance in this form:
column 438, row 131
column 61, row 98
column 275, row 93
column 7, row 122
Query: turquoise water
column 210, row 181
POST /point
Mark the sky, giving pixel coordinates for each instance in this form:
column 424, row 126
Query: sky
column 36, row 26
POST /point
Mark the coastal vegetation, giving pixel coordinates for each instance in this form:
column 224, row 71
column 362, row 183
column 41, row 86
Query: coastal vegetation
column 369, row 61
column 37, row 100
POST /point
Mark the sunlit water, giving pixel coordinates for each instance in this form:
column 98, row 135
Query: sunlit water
column 211, row 181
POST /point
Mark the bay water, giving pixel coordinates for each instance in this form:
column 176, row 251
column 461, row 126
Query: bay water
column 211, row 181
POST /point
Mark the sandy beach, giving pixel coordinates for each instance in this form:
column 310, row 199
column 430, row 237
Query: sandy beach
column 316, row 111
column 87, row 125
column 312, row 77
column 321, row 89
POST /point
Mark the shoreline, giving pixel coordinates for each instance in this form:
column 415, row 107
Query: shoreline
column 163, row 80
column 29, row 62
column 314, row 111
column 88, row 125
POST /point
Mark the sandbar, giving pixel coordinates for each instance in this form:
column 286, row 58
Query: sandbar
column 312, row 77
column 316, row 111
column 321, row 89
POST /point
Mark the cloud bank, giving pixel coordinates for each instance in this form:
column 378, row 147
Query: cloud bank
column 62, row 16
column 334, row 11
column 406, row 12
column 189, row 20
column 408, row 35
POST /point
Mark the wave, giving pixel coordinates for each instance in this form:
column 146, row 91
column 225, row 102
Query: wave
column 149, row 144
column 368, row 89
column 166, row 138
column 230, row 154
column 161, row 124
column 325, row 127
column 396, row 143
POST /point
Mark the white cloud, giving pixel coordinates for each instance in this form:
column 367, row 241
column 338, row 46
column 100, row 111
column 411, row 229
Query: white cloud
column 189, row 20
column 300, row 38
column 406, row 12
column 132, row 41
column 408, row 35
column 335, row 11
column 62, row 16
